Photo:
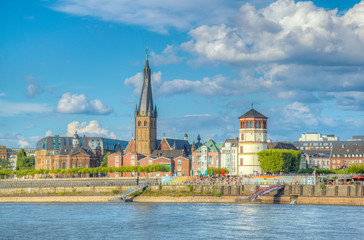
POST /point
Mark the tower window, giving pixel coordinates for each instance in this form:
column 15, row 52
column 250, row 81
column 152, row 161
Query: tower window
column 139, row 123
column 145, row 123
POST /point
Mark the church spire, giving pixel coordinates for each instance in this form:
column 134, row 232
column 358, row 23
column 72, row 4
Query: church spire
column 146, row 99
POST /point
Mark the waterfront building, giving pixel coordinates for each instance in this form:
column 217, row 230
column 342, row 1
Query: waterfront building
column 344, row 156
column 317, row 158
column 207, row 155
column 12, row 157
column 319, row 141
column 70, row 152
column 229, row 155
column 3, row 155
column 252, row 139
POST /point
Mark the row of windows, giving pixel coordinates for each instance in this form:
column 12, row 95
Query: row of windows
column 348, row 161
column 152, row 123
column 348, row 155
column 253, row 124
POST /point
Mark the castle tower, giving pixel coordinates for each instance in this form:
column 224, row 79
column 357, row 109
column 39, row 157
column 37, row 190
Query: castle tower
column 146, row 117
column 252, row 139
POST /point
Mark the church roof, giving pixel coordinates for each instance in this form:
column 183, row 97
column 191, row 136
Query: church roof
column 252, row 113
column 146, row 107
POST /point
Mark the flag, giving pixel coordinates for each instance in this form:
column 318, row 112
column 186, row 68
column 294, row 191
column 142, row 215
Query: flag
column 215, row 171
column 223, row 172
column 206, row 173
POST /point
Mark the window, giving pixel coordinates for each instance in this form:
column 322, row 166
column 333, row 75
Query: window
column 242, row 137
column 179, row 168
column 333, row 166
column 139, row 123
column 117, row 163
column 150, row 162
column 338, row 166
column 338, row 161
column 241, row 149
column 241, row 161
column 145, row 123
column 359, row 161
column 63, row 165
column 260, row 125
column 251, row 124
column 179, row 161
column 333, row 161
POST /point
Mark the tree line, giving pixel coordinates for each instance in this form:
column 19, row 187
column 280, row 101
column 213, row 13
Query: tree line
column 83, row 170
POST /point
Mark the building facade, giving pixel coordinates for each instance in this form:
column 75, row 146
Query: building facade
column 229, row 156
column 345, row 156
column 317, row 158
column 207, row 155
column 252, row 139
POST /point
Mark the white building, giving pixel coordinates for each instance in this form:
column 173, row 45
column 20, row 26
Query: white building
column 229, row 156
column 305, row 137
column 252, row 139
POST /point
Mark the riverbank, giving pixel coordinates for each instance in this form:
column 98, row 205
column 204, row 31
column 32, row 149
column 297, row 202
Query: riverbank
column 141, row 199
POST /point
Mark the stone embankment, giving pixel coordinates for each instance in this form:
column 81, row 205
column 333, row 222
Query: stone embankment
column 91, row 192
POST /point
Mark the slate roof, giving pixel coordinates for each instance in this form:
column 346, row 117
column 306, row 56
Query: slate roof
column 72, row 151
column 181, row 144
column 342, row 150
column 234, row 141
column 281, row 145
column 252, row 113
column 211, row 145
column 168, row 153
column 317, row 152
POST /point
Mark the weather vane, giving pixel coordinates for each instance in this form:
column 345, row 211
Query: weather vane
column 252, row 104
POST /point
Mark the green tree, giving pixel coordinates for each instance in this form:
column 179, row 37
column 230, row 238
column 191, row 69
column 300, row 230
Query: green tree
column 279, row 160
column 24, row 162
column 104, row 162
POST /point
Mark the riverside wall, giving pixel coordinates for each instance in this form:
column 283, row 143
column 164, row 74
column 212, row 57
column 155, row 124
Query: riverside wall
column 300, row 194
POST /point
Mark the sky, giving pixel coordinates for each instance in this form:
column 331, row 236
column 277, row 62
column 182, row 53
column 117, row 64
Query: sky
column 69, row 65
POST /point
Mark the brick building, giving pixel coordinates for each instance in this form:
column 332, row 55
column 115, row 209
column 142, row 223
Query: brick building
column 344, row 156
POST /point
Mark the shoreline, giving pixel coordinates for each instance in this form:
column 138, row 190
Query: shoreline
column 339, row 201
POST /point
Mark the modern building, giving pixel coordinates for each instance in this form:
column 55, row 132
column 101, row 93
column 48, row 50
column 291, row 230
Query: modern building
column 71, row 152
column 319, row 141
column 229, row 155
column 344, row 156
column 252, row 139
column 208, row 155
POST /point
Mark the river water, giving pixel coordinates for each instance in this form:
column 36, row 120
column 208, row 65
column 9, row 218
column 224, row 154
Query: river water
column 178, row 221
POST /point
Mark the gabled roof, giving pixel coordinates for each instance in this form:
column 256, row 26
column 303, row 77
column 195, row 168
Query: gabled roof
column 252, row 113
column 281, row 145
column 180, row 144
column 211, row 145
column 234, row 141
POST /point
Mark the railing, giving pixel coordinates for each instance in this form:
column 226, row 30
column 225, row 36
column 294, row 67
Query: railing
column 265, row 191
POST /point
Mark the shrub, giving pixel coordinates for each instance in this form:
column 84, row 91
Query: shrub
column 61, row 194
column 218, row 194
column 190, row 187
column 115, row 191
column 160, row 187
column 322, row 185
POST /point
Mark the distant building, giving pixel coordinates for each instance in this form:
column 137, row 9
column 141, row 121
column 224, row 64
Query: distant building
column 207, row 155
column 12, row 155
column 317, row 158
column 345, row 156
column 71, row 152
column 229, row 156
column 319, row 141
column 252, row 139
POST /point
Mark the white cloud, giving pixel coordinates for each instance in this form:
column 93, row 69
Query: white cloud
column 94, row 128
column 12, row 108
column 79, row 104
column 23, row 143
column 157, row 15
column 49, row 133
column 168, row 56
column 284, row 31
column 352, row 100
column 33, row 88
column 137, row 81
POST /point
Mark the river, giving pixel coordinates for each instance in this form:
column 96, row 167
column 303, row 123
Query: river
column 178, row 221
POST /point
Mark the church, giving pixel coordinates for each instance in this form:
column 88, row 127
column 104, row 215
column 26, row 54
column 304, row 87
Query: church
column 145, row 148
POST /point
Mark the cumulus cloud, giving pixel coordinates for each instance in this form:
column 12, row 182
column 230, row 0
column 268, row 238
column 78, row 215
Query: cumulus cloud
column 284, row 31
column 33, row 88
column 19, row 108
column 353, row 100
column 49, row 133
column 23, row 143
column 168, row 56
column 93, row 128
column 16, row 140
column 137, row 81
column 79, row 104
column 158, row 15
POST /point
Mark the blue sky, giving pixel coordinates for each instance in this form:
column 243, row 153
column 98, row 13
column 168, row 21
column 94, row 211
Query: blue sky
column 76, row 64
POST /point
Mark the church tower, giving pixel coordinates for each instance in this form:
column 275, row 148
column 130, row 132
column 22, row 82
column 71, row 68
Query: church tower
column 146, row 117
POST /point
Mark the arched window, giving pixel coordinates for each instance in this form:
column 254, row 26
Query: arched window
column 251, row 124
column 260, row 125
column 63, row 165
column 145, row 123
column 256, row 124
column 139, row 123
column 241, row 124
